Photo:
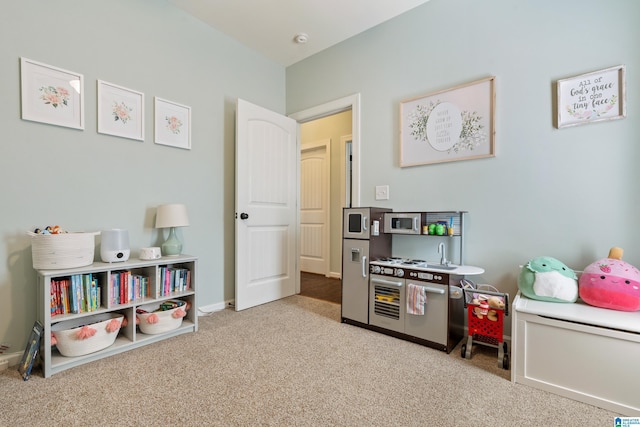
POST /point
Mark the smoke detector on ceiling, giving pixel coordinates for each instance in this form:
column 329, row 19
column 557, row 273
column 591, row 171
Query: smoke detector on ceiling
column 301, row 38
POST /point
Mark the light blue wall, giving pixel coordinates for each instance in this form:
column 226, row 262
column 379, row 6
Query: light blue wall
column 568, row 193
column 83, row 180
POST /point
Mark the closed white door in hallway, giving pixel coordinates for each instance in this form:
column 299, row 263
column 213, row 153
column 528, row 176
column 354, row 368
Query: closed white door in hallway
column 314, row 207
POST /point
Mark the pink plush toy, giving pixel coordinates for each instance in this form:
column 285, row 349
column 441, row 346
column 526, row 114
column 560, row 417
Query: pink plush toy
column 611, row 283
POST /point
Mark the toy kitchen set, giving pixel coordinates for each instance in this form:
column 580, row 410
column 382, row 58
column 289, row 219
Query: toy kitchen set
column 412, row 299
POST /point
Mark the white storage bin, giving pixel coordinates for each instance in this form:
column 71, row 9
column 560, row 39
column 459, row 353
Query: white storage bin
column 100, row 333
column 155, row 321
column 58, row 251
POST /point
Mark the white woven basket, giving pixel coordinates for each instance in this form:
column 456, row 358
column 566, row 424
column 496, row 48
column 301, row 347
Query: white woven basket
column 66, row 250
column 68, row 334
column 166, row 322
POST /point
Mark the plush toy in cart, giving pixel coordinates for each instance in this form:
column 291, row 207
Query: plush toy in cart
column 486, row 306
column 548, row 279
column 611, row 283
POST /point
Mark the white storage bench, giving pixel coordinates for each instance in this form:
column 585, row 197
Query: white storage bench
column 582, row 352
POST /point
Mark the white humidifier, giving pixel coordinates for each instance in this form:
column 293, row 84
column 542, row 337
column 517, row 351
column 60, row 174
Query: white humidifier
column 114, row 246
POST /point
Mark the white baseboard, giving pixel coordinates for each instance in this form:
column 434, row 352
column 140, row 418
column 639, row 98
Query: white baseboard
column 212, row 308
column 334, row 275
column 8, row 360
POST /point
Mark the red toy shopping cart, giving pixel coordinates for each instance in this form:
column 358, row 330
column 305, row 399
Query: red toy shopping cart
column 486, row 309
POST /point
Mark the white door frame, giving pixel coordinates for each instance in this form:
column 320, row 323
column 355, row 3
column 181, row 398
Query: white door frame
column 344, row 140
column 337, row 106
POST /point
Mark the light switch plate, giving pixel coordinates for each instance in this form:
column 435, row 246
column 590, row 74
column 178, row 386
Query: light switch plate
column 382, row 192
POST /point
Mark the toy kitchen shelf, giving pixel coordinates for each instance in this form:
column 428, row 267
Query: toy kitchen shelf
column 128, row 337
column 446, row 216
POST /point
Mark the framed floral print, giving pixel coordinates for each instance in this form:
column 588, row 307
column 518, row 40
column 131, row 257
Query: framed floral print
column 172, row 124
column 51, row 95
column 120, row 111
column 449, row 125
column 592, row 97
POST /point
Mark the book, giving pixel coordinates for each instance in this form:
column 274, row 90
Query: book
column 95, row 291
column 31, row 351
column 86, row 289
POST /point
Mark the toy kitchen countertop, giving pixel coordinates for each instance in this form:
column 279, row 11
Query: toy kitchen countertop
column 453, row 269
column 461, row 270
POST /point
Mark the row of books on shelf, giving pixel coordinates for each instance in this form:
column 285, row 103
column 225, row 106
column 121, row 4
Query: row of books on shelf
column 174, row 279
column 126, row 287
column 75, row 294
column 80, row 293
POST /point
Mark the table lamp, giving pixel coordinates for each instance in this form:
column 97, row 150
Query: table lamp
column 172, row 216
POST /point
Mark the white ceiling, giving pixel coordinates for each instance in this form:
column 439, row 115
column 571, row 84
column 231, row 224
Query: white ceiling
column 270, row 26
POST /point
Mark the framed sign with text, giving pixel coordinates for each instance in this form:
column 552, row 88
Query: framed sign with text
column 592, row 97
column 450, row 125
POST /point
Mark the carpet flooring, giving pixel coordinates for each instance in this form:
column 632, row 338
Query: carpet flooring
column 287, row 363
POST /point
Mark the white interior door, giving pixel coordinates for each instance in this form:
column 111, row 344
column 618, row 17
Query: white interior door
column 267, row 158
column 314, row 207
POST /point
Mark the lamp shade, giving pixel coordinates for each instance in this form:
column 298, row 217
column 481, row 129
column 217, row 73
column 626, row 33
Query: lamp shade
column 172, row 215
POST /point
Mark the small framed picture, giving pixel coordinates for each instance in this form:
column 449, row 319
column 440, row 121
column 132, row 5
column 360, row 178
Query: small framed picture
column 120, row 111
column 172, row 124
column 592, row 97
column 51, row 95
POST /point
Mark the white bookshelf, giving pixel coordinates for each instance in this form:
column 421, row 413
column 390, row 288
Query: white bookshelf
column 129, row 336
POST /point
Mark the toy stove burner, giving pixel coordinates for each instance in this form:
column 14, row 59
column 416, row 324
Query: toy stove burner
column 400, row 262
column 390, row 259
column 415, row 262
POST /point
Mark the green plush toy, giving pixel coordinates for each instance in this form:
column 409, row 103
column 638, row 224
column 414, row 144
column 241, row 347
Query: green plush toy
column 547, row 279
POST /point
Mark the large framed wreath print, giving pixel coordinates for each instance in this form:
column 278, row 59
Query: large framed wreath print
column 450, row 125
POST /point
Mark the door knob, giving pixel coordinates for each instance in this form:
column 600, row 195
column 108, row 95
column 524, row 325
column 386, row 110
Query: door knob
column 244, row 215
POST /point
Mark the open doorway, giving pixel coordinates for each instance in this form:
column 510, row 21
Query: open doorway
column 324, row 188
column 337, row 122
column 323, row 182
